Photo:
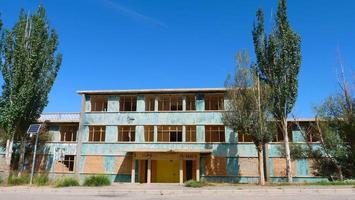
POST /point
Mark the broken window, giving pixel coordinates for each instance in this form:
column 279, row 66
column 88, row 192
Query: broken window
column 190, row 134
column 149, row 133
column 214, row 133
column 149, row 103
column 69, row 162
column 126, row 133
column 190, row 102
column 170, row 103
column 99, row 103
column 97, row 133
column 169, row 133
column 68, row 133
column 128, row 103
column 279, row 137
column 214, row 102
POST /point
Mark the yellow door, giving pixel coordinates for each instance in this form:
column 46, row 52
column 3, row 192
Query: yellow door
column 167, row 171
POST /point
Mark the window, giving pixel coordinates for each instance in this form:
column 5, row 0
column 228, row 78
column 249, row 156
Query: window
column 244, row 137
column 69, row 162
column 279, row 137
column 190, row 102
column 126, row 133
column 214, row 133
column 170, row 103
column 97, row 133
column 68, row 133
column 169, row 133
column 98, row 103
column 149, row 103
column 190, row 134
column 149, row 133
column 128, row 103
column 214, row 102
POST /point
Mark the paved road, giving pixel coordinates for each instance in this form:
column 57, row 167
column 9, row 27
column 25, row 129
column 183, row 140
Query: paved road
column 177, row 192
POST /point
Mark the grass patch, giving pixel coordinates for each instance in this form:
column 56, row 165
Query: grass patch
column 67, row 182
column 41, row 179
column 196, row 184
column 345, row 182
column 18, row 180
column 98, row 180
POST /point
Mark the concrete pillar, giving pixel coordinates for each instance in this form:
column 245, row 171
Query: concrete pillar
column 156, row 103
column 184, row 103
column 181, row 171
column 183, row 133
column 155, row 134
column 198, row 168
column 149, row 171
column 133, row 171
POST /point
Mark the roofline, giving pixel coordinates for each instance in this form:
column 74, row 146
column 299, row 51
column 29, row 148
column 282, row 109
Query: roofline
column 152, row 91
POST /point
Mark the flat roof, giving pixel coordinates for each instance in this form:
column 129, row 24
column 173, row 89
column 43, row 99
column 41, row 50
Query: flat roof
column 154, row 91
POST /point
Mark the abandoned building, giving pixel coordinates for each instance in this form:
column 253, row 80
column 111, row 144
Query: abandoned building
column 160, row 136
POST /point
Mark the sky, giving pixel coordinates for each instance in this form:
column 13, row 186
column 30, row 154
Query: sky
column 141, row 44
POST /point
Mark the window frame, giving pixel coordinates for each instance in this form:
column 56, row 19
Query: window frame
column 170, row 129
column 167, row 98
column 208, row 99
column 149, row 131
column 190, row 133
column 73, row 134
column 132, row 100
column 209, row 131
column 120, row 134
column 102, row 133
column 94, row 99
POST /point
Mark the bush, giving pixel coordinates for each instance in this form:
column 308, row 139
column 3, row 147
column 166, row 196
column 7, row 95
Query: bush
column 18, row 180
column 67, row 182
column 1, row 180
column 345, row 182
column 41, row 180
column 195, row 184
column 98, row 180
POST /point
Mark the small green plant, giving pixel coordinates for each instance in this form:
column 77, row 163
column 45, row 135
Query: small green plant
column 345, row 182
column 98, row 180
column 41, row 179
column 1, row 181
column 18, row 180
column 67, row 182
column 196, row 184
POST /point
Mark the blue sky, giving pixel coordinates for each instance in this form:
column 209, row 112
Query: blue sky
column 111, row 44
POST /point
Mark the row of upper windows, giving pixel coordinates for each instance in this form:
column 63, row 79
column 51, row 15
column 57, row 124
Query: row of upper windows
column 166, row 134
column 165, row 102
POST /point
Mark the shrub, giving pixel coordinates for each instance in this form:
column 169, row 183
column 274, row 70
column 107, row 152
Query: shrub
column 18, row 180
column 67, row 182
column 196, row 184
column 98, row 180
column 41, row 179
column 345, row 182
column 1, row 180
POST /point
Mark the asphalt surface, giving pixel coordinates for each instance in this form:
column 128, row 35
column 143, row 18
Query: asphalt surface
column 166, row 191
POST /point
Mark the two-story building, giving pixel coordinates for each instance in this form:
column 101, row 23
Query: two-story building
column 159, row 136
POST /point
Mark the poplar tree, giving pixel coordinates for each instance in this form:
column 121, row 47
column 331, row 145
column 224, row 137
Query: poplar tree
column 278, row 60
column 248, row 111
column 29, row 63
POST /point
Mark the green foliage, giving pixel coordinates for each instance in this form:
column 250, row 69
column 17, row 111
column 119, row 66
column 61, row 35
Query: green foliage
column 1, row 181
column 41, row 180
column 98, row 180
column 29, row 63
column 18, row 180
column 196, row 184
column 67, row 182
column 249, row 110
column 278, row 60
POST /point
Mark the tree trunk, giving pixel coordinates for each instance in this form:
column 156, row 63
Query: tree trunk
column 287, row 151
column 340, row 173
column 22, row 156
column 8, row 155
column 261, row 164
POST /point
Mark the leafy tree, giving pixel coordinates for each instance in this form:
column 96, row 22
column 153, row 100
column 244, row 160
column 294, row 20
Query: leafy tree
column 278, row 61
column 29, row 63
column 249, row 110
